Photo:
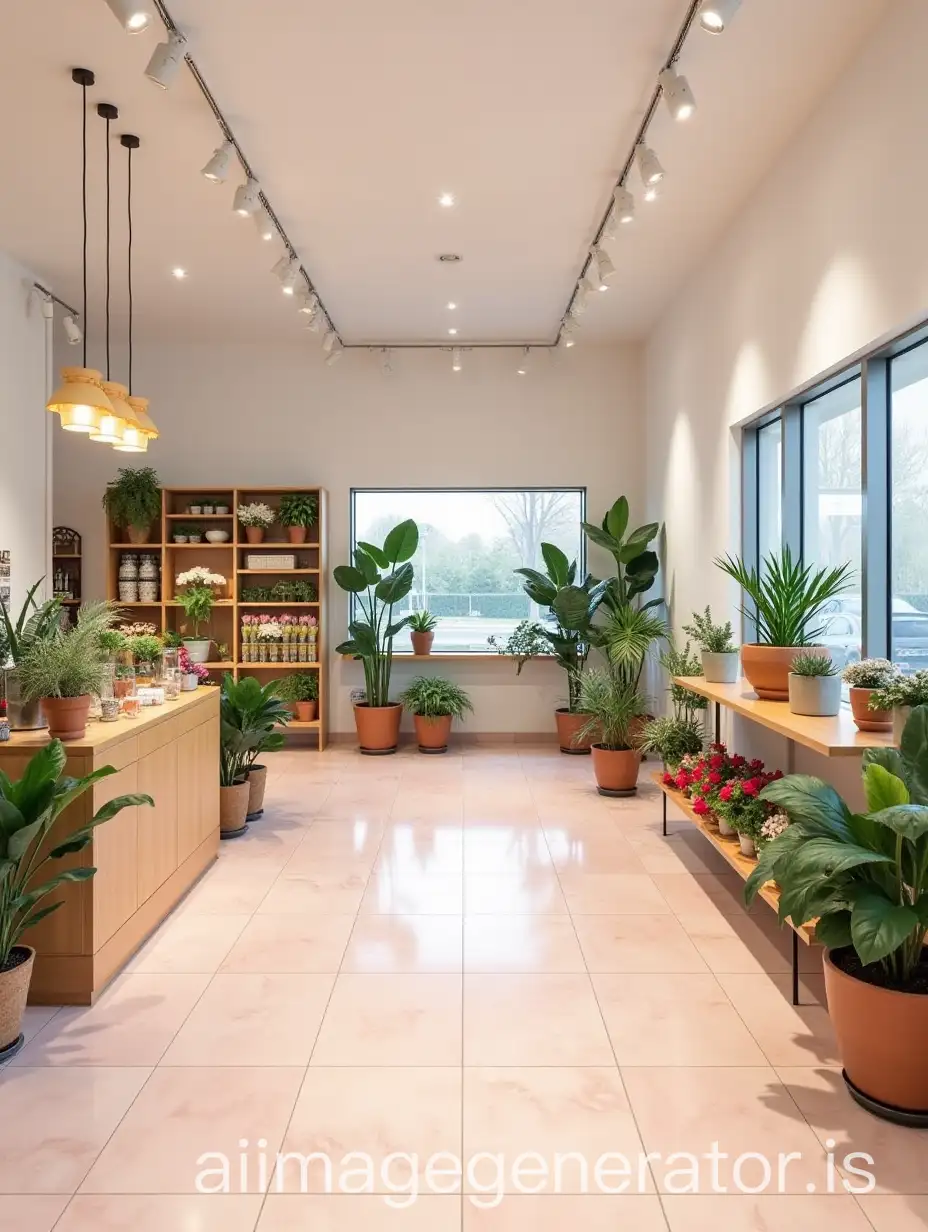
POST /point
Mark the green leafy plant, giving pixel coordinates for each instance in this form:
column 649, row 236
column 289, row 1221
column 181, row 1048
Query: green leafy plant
column 869, row 674
column 573, row 606
column 249, row 714
column 71, row 662
column 29, row 808
column 188, row 530
column 902, row 691
column 298, row 509
column 526, row 641
column 301, row 687
column 172, row 640
column 432, row 697
column 862, row 876
column 809, row 663
column 637, row 564
column 626, row 635
column 34, row 623
column 112, row 641
column 197, row 602
column 614, row 706
column 423, row 622
column 146, row 647
column 134, row 497
column 675, row 662
column 672, row 738
column 377, row 594
column 787, row 596
column 710, row 637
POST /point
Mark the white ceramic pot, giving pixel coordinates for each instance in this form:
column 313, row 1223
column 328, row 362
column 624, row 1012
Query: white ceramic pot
column 217, row 536
column 720, row 668
column 195, row 509
column 197, row 648
column 128, row 592
column 180, row 538
column 189, row 682
column 747, row 845
column 222, row 509
column 814, row 695
column 900, row 718
column 724, row 828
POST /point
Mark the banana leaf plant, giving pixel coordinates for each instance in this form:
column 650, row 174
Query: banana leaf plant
column 33, row 624
column 573, row 605
column 636, row 563
column 380, row 577
column 29, row 808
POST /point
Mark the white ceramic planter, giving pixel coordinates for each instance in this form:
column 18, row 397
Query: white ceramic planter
column 197, row 649
column 720, row 668
column 724, row 828
column 900, row 718
column 189, row 682
column 814, row 695
column 747, row 845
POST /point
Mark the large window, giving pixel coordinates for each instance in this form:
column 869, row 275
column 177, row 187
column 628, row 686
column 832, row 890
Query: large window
column 469, row 544
column 769, row 488
column 909, row 473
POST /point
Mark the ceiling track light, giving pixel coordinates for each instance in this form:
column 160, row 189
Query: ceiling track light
column 678, row 96
column 72, row 330
column 330, row 340
column 604, row 265
column 591, row 279
column 715, row 15
column 247, row 199
column 334, row 355
column 456, row 362
column 525, row 361
column 568, row 330
column 217, row 169
column 623, row 205
column 263, row 224
column 652, row 192
column 134, row 17
column 649, row 167
column 166, row 59
column 290, row 275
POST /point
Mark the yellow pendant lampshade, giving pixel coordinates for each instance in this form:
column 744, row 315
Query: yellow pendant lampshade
column 80, row 401
column 139, row 430
column 109, row 430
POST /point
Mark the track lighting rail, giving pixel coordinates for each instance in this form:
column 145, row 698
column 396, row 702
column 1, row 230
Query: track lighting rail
column 56, row 300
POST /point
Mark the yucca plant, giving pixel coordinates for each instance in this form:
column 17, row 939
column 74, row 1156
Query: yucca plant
column 433, row 697
column 70, row 662
column 786, row 597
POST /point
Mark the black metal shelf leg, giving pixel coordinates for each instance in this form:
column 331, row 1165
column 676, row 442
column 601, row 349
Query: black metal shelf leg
column 795, row 968
column 718, row 722
column 664, row 803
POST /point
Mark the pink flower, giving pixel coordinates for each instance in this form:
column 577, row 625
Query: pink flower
column 700, row 808
column 757, row 764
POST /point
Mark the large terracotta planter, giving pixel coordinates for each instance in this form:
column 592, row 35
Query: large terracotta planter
column 432, row 732
column 67, row 716
column 138, row 534
column 881, row 1038
column 305, row 712
column 421, row 642
column 254, row 534
column 567, row 727
column 233, row 810
column 767, row 668
column 378, row 727
column 257, row 782
column 14, row 989
column 865, row 718
column 616, row 770
column 296, row 534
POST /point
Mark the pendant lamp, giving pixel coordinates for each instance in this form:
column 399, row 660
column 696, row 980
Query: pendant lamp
column 137, row 429
column 80, row 401
column 109, row 430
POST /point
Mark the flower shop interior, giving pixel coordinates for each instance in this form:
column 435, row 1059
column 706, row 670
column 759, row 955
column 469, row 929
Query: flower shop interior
column 463, row 636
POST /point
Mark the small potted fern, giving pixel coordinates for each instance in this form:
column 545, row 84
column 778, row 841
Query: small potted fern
column 864, row 679
column 297, row 513
column 301, row 693
column 719, row 652
column 814, row 685
column 422, row 626
column 133, row 502
column 434, row 704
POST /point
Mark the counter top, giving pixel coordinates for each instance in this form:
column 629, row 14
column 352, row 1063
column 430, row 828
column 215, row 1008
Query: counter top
column 101, row 736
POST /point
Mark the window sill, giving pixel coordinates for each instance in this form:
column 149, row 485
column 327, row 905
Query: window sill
column 475, row 655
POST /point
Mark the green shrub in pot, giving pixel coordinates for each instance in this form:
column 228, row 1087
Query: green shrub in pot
column 717, row 643
column 133, row 501
column 250, row 715
column 34, row 623
column 900, row 696
column 298, row 512
column 614, row 709
column 434, row 703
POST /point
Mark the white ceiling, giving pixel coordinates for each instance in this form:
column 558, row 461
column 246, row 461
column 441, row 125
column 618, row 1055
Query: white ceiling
column 356, row 115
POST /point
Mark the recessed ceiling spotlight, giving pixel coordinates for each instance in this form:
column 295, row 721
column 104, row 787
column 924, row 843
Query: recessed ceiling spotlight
column 677, row 94
column 452, row 331
column 714, row 15
column 446, row 199
column 246, row 200
column 179, row 272
column 449, row 258
column 166, row 60
column 648, row 164
column 134, row 17
column 451, row 305
column 217, row 168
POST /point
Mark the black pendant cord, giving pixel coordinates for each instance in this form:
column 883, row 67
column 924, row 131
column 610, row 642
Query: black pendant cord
column 129, row 257
column 84, row 211
column 107, row 112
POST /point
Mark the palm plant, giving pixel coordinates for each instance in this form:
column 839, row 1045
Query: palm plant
column 34, row 623
column 626, row 635
column 70, row 662
column 423, row 622
column 433, row 697
column 786, row 597
column 249, row 713
column 614, row 706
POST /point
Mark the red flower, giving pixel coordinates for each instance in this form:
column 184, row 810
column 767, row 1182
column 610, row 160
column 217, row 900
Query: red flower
column 757, row 764
column 751, row 787
column 725, row 793
column 715, row 777
column 682, row 780
column 717, row 761
column 777, row 774
column 738, row 761
column 700, row 808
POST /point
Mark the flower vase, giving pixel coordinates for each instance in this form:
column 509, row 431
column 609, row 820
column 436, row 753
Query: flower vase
column 313, row 656
column 303, row 653
column 262, row 652
column 273, row 650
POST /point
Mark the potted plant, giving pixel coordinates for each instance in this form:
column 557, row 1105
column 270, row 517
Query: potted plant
column 35, row 622
column 249, row 714
column 864, row 879
column 197, row 598
column 64, row 670
column 814, row 684
column 786, row 598
column 133, row 502
column 737, row 807
column 679, row 734
column 30, row 808
column 222, row 508
column 180, row 534
column 301, row 692
column 378, row 719
column 613, row 706
column 207, row 505
column 146, row 651
column 256, row 518
column 192, row 675
column 863, row 679
column 422, row 626
column 434, row 703
column 195, row 508
column 900, row 696
column 298, row 512
column 194, row 534
column 719, row 652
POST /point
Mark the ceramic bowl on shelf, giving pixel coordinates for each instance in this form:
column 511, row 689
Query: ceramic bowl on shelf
column 217, row 536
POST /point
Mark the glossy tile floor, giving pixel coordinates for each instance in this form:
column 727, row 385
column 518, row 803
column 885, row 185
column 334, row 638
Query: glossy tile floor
column 474, row 957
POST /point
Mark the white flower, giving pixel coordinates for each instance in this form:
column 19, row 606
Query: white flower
column 199, row 575
column 269, row 631
column 256, row 514
column 774, row 826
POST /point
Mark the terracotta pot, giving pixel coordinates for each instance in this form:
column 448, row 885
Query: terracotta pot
column 254, row 534
column 67, row 716
column 14, row 989
column 138, row 534
column 432, row 732
column 296, row 534
column 257, row 781
column 616, row 770
column 378, row 727
column 305, row 712
column 567, row 727
column 881, row 1039
column 233, row 809
column 421, row 642
column 767, row 668
column 865, row 718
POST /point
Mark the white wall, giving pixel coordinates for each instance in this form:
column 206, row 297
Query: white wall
column 25, row 432
column 828, row 257
column 264, row 415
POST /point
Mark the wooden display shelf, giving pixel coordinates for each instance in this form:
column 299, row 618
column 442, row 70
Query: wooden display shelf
column 138, row 547
column 477, row 656
column 278, row 603
column 199, row 517
column 832, row 737
column 71, row 602
column 66, row 556
column 277, row 667
column 276, row 543
column 282, row 572
column 301, row 724
column 199, row 547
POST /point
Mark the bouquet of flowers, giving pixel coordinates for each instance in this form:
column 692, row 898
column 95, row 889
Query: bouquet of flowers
column 140, row 628
column 739, row 808
column 256, row 514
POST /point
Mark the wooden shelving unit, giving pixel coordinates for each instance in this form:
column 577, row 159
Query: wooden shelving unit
column 229, row 559
column 67, row 556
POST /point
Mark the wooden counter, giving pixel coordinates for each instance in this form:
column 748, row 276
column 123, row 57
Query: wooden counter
column 146, row 858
